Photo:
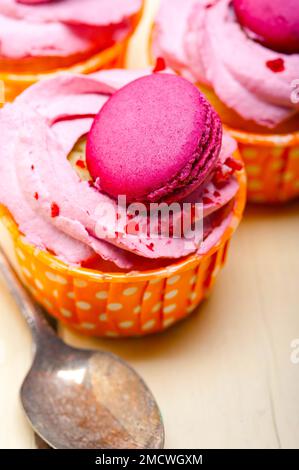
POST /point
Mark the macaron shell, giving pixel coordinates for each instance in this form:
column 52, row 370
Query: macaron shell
column 148, row 138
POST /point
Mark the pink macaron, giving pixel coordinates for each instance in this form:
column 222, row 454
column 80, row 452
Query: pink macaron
column 274, row 23
column 155, row 139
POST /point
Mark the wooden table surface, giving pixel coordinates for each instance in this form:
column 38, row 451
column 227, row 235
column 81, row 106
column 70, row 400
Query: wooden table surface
column 228, row 376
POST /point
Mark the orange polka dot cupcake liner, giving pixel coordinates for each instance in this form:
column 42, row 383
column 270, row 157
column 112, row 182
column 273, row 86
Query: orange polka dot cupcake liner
column 120, row 304
column 272, row 165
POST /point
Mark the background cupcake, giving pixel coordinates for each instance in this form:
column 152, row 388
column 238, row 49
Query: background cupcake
column 126, row 280
column 41, row 37
column 250, row 79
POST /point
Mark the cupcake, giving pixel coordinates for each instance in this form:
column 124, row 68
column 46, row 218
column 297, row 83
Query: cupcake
column 121, row 194
column 40, row 37
column 244, row 56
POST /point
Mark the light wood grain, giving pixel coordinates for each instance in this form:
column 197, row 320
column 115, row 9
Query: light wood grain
column 223, row 378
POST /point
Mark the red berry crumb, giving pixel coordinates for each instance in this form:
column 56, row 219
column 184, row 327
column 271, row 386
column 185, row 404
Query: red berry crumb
column 207, row 200
column 219, row 179
column 150, row 246
column 36, row 196
column 80, row 164
column 233, row 164
column 32, row 167
column 276, row 65
column 55, row 211
column 160, row 65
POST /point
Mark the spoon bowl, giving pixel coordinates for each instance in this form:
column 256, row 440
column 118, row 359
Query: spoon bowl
column 91, row 400
column 82, row 399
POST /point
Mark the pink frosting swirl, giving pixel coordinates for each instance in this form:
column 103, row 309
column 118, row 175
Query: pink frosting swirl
column 211, row 47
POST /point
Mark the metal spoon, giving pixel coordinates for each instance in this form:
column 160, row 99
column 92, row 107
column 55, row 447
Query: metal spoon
column 80, row 399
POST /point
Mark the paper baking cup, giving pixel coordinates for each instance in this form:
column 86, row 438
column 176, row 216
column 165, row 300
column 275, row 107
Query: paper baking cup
column 272, row 165
column 120, row 304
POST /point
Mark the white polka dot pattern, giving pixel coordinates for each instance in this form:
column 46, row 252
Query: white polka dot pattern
column 83, row 305
column 114, row 307
column 130, row 291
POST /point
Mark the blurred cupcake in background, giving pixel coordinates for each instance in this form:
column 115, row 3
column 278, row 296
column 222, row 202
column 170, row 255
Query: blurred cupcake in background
column 40, row 37
column 244, row 56
column 73, row 145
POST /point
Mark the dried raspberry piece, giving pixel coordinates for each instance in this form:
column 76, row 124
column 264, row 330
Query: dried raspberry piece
column 55, row 210
column 276, row 65
column 36, row 196
column 233, row 164
column 160, row 65
column 80, row 164
column 207, row 200
column 220, row 179
column 150, row 246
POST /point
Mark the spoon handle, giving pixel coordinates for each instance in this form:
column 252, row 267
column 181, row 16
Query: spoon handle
column 32, row 313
